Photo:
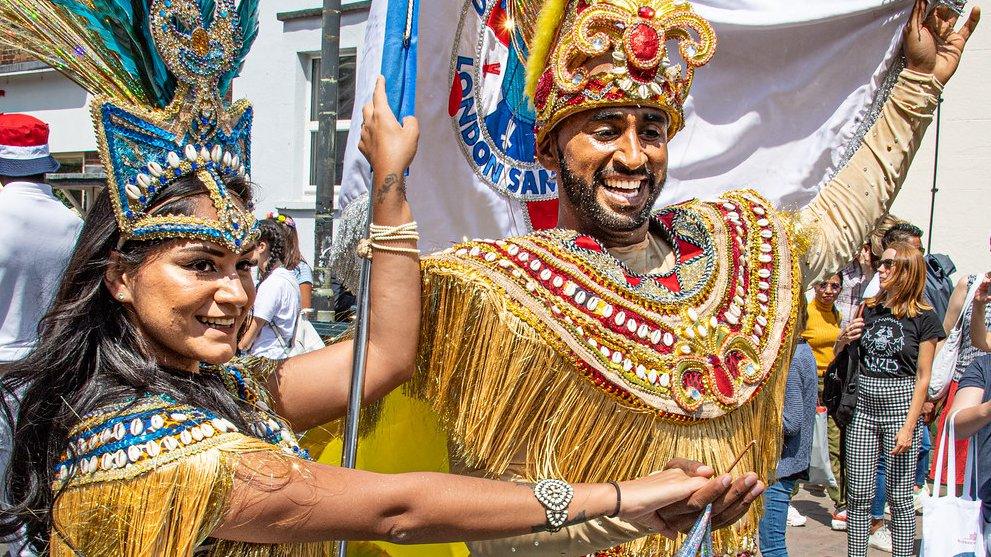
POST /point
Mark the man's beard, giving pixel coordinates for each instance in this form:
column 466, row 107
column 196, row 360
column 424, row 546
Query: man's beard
column 582, row 197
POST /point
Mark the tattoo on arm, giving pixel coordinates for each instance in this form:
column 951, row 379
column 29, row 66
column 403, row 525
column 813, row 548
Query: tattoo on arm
column 391, row 182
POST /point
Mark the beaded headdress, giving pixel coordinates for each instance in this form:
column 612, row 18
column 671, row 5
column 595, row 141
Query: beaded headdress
column 160, row 72
column 587, row 54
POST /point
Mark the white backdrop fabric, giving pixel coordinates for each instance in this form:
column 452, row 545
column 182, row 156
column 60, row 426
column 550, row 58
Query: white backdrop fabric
column 790, row 90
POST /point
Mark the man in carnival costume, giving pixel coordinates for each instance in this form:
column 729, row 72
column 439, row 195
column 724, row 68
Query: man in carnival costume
column 624, row 338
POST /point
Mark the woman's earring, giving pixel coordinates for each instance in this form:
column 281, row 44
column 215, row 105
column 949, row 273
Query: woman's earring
column 120, row 296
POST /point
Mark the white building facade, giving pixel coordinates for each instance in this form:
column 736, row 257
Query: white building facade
column 278, row 79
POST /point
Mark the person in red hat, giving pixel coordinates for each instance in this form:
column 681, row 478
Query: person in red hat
column 24, row 147
column 37, row 234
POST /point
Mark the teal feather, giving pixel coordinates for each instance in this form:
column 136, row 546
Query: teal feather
column 123, row 30
column 208, row 8
column 247, row 14
column 161, row 80
column 103, row 23
column 132, row 26
column 121, row 26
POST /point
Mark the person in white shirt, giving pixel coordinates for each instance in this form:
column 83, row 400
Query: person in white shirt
column 37, row 234
column 272, row 330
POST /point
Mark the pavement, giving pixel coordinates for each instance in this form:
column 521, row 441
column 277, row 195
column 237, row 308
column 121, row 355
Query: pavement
column 816, row 538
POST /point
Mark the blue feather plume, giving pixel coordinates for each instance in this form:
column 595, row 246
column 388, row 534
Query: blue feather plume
column 102, row 23
column 208, row 8
column 122, row 26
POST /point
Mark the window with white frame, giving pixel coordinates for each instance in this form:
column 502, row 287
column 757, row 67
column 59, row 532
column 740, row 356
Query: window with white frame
column 345, row 105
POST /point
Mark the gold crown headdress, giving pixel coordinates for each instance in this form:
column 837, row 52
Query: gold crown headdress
column 160, row 72
column 585, row 54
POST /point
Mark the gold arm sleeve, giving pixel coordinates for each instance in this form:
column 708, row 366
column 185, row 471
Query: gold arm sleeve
column 848, row 208
column 167, row 511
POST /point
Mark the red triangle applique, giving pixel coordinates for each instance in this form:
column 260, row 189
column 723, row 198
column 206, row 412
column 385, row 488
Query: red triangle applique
column 588, row 243
column 667, row 219
column 633, row 281
column 670, row 282
column 687, row 250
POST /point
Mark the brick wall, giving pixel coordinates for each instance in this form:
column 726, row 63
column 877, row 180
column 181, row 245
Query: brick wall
column 11, row 56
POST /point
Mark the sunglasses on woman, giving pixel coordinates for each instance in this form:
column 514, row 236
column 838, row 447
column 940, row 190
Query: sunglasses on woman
column 886, row 263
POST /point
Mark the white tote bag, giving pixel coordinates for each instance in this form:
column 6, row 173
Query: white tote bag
column 951, row 525
column 945, row 362
column 305, row 338
column 820, row 469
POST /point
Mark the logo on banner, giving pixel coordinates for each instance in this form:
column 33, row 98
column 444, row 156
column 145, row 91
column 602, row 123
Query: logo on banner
column 490, row 113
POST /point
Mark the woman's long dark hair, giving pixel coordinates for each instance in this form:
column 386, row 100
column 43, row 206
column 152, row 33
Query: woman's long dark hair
column 90, row 354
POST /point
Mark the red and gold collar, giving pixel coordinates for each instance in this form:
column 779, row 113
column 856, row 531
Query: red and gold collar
column 695, row 343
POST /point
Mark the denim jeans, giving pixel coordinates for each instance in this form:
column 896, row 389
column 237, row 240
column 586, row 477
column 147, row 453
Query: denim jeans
column 987, row 537
column 880, row 495
column 922, row 470
column 775, row 520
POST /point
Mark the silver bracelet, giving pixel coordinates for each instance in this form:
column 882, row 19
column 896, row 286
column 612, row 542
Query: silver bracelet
column 555, row 496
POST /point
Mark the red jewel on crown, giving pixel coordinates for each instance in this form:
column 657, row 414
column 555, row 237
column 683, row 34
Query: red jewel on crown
column 646, row 12
column 644, row 42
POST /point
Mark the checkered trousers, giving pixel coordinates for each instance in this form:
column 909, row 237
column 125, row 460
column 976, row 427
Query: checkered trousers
column 882, row 407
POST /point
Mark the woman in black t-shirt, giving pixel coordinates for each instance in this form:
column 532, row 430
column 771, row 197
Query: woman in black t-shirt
column 899, row 337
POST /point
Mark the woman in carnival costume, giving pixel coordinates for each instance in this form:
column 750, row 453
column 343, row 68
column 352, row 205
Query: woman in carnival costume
column 139, row 433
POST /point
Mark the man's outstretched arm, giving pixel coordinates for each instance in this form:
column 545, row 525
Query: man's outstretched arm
column 849, row 207
column 730, row 499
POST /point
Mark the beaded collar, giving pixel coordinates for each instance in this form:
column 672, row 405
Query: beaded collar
column 695, row 343
column 128, row 439
column 244, row 378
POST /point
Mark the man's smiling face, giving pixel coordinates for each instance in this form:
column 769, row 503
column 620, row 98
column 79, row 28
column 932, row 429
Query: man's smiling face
column 611, row 165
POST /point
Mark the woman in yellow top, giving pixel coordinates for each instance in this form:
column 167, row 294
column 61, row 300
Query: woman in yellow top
column 824, row 321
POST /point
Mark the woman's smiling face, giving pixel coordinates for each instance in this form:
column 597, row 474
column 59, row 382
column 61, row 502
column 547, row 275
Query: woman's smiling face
column 190, row 298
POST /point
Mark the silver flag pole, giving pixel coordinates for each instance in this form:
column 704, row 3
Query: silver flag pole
column 350, row 451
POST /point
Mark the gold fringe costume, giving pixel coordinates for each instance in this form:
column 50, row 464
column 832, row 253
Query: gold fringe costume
column 153, row 476
column 547, row 356
column 593, row 372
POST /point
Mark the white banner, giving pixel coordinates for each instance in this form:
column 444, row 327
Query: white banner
column 788, row 93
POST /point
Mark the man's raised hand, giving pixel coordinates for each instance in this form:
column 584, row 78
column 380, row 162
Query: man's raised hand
column 933, row 45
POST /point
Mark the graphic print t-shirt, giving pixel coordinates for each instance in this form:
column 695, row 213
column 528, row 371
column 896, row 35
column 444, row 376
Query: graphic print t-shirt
column 890, row 346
